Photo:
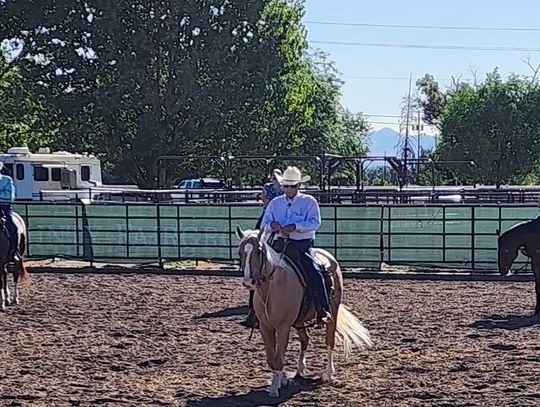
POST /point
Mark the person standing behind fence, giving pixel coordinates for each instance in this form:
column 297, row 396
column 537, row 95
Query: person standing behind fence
column 7, row 197
column 270, row 190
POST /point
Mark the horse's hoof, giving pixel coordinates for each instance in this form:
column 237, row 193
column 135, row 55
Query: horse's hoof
column 273, row 393
column 326, row 378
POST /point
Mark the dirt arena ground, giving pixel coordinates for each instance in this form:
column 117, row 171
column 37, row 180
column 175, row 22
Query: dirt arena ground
column 156, row 340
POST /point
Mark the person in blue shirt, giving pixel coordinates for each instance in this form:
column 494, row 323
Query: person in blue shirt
column 270, row 190
column 7, row 197
column 296, row 217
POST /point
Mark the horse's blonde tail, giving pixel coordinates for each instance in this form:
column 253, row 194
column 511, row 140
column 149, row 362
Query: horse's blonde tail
column 350, row 332
column 23, row 273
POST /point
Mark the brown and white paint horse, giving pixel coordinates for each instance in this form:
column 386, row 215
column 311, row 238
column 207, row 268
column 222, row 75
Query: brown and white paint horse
column 19, row 270
column 278, row 297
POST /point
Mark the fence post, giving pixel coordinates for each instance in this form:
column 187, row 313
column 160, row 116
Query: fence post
column 27, row 228
column 158, row 222
column 335, row 232
column 127, row 229
column 77, row 240
column 389, row 233
column 230, row 233
column 473, row 238
column 178, row 235
column 444, row 234
column 381, row 238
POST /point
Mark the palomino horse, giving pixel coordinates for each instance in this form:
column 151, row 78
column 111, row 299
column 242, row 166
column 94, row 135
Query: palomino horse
column 19, row 270
column 524, row 236
column 278, row 299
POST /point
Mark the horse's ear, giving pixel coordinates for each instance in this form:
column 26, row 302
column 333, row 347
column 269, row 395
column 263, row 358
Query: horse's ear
column 498, row 231
column 239, row 232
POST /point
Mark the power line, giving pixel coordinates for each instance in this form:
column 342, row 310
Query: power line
column 377, row 122
column 399, row 78
column 425, row 46
column 380, row 115
column 424, row 27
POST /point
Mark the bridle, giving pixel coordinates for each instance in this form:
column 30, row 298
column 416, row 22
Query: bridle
column 507, row 250
column 262, row 278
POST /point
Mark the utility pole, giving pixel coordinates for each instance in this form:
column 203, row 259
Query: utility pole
column 406, row 147
column 419, row 127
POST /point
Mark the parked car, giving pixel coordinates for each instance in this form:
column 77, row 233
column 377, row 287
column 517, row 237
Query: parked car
column 201, row 183
column 198, row 190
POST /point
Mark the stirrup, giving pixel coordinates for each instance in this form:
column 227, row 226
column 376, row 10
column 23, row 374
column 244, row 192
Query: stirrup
column 325, row 318
column 14, row 256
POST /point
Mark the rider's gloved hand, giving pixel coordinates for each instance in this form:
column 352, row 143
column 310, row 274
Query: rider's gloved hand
column 275, row 226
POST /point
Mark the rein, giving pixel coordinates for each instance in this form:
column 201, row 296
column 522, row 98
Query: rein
column 524, row 267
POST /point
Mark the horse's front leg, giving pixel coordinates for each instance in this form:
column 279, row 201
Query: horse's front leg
column 4, row 298
column 269, row 338
column 279, row 378
column 16, row 274
column 536, row 270
column 304, row 343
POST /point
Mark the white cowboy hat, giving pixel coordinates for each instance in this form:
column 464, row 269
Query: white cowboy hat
column 293, row 176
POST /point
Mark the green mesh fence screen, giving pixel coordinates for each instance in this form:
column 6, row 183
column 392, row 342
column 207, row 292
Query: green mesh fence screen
column 436, row 235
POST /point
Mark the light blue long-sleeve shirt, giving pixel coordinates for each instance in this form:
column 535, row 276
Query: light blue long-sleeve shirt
column 7, row 190
column 302, row 211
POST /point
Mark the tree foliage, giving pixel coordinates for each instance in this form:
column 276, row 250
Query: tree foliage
column 494, row 123
column 24, row 118
column 133, row 80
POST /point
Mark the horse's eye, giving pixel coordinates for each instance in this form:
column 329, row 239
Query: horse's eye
column 507, row 250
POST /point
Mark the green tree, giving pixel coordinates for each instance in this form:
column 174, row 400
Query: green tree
column 133, row 80
column 494, row 124
column 24, row 116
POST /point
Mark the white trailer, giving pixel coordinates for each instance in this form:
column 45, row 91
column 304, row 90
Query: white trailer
column 50, row 171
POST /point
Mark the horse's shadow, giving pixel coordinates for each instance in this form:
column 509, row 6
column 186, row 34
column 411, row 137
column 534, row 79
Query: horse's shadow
column 257, row 397
column 224, row 313
column 508, row 322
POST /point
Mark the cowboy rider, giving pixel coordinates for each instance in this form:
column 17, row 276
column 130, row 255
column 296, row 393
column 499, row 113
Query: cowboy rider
column 7, row 197
column 296, row 217
column 270, row 190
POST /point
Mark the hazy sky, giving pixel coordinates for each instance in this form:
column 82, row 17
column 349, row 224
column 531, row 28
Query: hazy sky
column 370, row 94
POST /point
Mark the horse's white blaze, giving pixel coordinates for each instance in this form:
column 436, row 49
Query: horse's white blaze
column 248, row 249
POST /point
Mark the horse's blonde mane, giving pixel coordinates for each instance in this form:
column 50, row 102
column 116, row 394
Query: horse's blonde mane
column 274, row 258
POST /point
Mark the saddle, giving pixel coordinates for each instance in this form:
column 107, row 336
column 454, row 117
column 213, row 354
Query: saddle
column 308, row 299
column 4, row 229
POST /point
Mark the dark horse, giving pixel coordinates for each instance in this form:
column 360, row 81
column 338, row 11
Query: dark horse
column 18, row 268
column 524, row 236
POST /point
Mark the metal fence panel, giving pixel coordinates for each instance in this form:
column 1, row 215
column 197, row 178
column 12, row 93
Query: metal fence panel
column 462, row 236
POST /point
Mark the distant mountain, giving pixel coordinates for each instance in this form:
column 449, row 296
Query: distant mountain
column 389, row 142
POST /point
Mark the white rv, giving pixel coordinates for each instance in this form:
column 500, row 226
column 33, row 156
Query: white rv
column 50, row 171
